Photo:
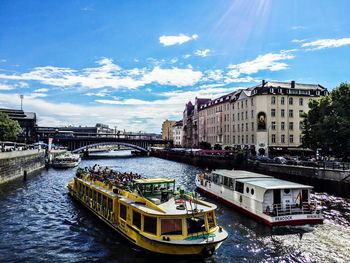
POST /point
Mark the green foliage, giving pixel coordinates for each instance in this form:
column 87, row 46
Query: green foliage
column 327, row 124
column 9, row 129
column 217, row 147
column 205, row 145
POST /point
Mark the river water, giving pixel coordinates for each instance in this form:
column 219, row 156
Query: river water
column 39, row 222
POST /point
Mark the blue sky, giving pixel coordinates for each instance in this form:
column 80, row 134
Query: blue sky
column 133, row 64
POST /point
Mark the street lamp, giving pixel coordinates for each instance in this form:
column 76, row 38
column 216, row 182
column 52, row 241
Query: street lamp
column 21, row 97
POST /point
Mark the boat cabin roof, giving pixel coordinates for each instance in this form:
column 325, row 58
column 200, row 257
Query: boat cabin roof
column 273, row 183
column 259, row 180
column 237, row 174
column 154, row 181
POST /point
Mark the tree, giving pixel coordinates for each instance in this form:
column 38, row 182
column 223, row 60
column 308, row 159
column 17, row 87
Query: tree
column 205, row 145
column 327, row 124
column 9, row 129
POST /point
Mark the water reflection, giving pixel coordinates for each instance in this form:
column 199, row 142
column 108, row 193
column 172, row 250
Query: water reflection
column 41, row 223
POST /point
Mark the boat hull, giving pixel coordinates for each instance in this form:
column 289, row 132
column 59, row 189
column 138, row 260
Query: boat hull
column 155, row 246
column 287, row 220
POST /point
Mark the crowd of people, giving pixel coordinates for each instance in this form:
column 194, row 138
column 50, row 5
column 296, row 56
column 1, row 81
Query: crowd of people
column 107, row 175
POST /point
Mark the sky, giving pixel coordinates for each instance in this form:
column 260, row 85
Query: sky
column 132, row 64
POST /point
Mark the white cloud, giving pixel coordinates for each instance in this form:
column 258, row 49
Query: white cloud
column 186, row 56
column 270, row 61
column 176, row 40
column 202, row 53
column 108, row 74
column 175, row 76
column 102, row 93
column 297, row 27
column 299, row 40
column 5, row 86
column 43, row 90
column 326, row 43
column 3, row 60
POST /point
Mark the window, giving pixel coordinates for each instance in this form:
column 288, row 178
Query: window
column 122, row 211
column 286, row 191
column 246, row 114
column 239, row 187
column 211, row 219
column 282, row 113
column 291, row 138
column 252, row 114
column 252, row 138
column 273, row 125
column 291, row 101
column 291, row 125
column 282, row 125
column 195, row 224
column 171, row 226
column 301, row 101
column 238, row 115
column 247, row 190
column 242, row 127
column 273, row 138
column 273, row 100
column 136, row 219
column 273, row 112
column 246, row 127
column 246, row 139
column 239, row 139
column 252, row 191
column 150, row 224
column 290, row 113
column 301, row 112
column 233, row 139
column 242, row 116
column 242, row 139
column 252, row 126
column 282, row 100
column 283, row 138
column 233, row 117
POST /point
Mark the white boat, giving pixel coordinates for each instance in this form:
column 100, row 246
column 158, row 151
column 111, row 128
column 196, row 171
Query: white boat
column 67, row 160
column 275, row 202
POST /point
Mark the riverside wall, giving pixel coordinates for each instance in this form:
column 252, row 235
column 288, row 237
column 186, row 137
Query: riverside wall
column 18, row 164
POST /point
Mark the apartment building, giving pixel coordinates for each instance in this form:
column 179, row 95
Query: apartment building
column 264, row 118
column 167, row 130
column 177, row 134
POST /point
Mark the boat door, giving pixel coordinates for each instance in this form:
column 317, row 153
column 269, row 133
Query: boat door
column 276, row 196
column 305, row 196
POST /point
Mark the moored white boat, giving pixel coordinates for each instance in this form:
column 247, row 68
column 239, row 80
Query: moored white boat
column 275, row 202
column 67, row 160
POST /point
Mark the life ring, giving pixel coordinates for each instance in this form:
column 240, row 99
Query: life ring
column 267, row 210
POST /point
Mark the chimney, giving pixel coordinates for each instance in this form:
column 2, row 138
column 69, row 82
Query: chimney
column 263, row 83
column 292, row 84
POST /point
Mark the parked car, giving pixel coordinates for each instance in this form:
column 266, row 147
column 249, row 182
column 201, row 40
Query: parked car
column 280, row 160
column 264, row 159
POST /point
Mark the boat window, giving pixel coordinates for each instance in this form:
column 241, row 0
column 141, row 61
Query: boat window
column 211, row 220
column 226, row 181
column 286, row 191
column 171, row 226
column 195, row 224
column 136, row 219
column 247, row 190
column 252, row 191
column 122, row 213
column 150, row 224
column 239, row 187
column 231, row 183
column 110, row 204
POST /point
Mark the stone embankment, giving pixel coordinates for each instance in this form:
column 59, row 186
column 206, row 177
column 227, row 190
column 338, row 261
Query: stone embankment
column 19, row 164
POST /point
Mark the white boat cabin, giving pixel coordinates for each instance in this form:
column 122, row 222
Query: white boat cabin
column 262, row 193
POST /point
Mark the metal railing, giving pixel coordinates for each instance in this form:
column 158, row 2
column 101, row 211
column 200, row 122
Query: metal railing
column 293, row 209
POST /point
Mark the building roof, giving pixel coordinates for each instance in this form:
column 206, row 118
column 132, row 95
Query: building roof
column 19, row 114
column 289, row 85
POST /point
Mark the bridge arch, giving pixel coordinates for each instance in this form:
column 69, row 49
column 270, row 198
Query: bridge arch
column 142, row 149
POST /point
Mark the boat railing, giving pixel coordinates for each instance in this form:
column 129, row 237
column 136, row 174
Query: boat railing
column 292, row 209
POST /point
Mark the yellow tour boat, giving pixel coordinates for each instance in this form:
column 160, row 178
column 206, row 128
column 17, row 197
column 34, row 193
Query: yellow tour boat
column 149, row 212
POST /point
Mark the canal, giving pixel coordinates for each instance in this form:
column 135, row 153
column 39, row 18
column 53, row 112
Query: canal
column 39, row 222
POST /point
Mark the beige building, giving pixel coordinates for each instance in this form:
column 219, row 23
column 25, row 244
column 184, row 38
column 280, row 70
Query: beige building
column 264, row 118
column 167, row 130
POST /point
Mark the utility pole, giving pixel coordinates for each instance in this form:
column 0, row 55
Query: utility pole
column 21, row 97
